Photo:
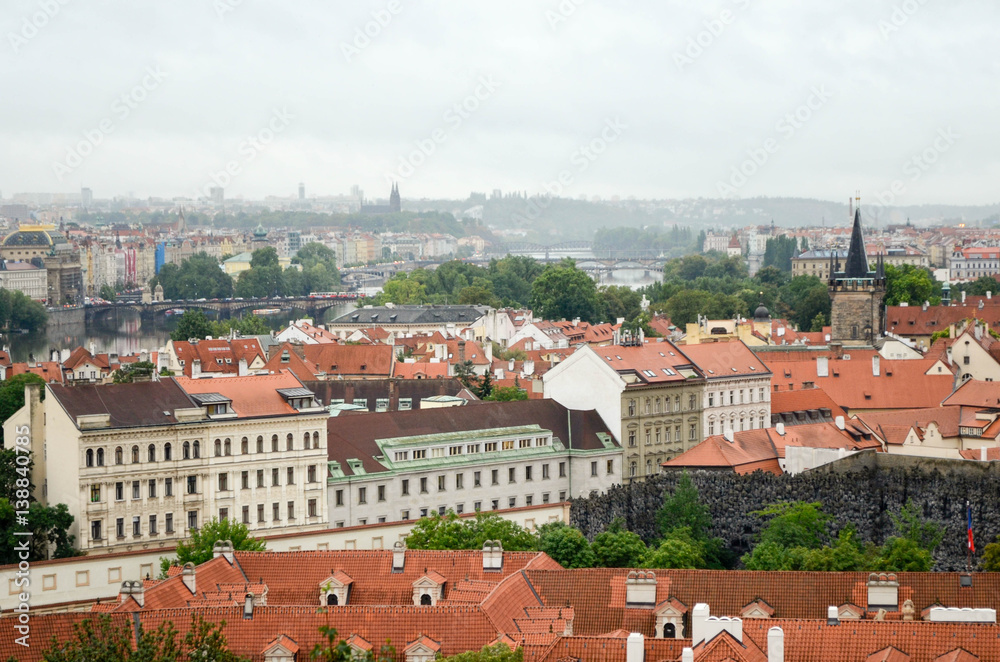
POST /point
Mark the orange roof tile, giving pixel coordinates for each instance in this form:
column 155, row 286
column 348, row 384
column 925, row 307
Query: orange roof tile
column 255, row 395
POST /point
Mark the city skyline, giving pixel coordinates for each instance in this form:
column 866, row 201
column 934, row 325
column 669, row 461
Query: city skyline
column 593, row 98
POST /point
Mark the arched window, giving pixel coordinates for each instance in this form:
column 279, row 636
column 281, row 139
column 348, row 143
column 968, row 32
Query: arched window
column 244, row 446
column 425, row 599
column 119, row 455
column 331, row 599
column 649, row 467
column 315, row 439
column 90, row 457
column 151, row 453
column 227, row 447
column 196, row 448
column 187, row 450
column 274, row 443
column 218, row 447
column 669, row 631
column 100, row 457
column 135, row 455
column 167, row 454
column 260, row 444
column 289, row 442
column 305, row 441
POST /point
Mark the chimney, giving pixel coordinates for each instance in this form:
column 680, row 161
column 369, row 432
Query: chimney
column 510, row 365
column 243, row 368
column 687, row 655
column 822, row 366
column 398, row 556
column 875, row 366
column 196, row 368
column 93, row 349
column 635, row 648
column 528, row 367
column 926, row 304
column 64, row 355
column 728, row 435
column 488, row 348
column 576, row 320
column 699, row 617
column 248, row 606
column 492, row 555
column 989, row 295
column 780, row 428
column 775, row 645
column 640, row 589
column 136, row 590
column 461, row 350
column 223, row 548
column 54, row 356
column 982, row 453
column 836, row 350
column 187, row 576
column 963, row 297
column 832, row 615
column 883, row 592
column 841, row 424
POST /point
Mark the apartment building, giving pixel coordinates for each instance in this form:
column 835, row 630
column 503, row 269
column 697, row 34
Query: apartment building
column 141, row 465
column 402, row 465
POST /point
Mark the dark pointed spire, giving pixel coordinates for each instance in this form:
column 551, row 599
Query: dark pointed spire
column 856, row 265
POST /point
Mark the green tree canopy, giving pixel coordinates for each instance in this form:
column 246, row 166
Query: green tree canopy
column 911, row 285
column 564, row 292
column 198, row 277
column 566, row 545
column 679, row 549
column 192, row 324
column 198, row 549
column 500, row 652
column 684, row 508
column 451, row 532
column 617, row 548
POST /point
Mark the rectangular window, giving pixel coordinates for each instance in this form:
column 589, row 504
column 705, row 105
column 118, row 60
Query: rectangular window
column 192, row 485
column 120, row 527
column 454, row 450
column 423, row 485
column 508, row 445
column 420, row 454
column 291, row 510
column 593, row 468
column 120, row 491
column 135, row 489
column 312, row 507
column 529, row 499
column 152, row 489
column 459, row 508
column 562, row 469
column 510, row 475
column 380, row 490
column 169, row 522
column 404, row 515
column 459, row 481
column 192, row 519
column 511, row 502
column 711, row 399
column 405, row 487
column 711, row 428
column 405, row 404
column 338, row 498
column 437, row 452
column 491, row 446
column 275, row 477
column 545, row 497
column 524, row 443
column 611, row 467
column 692, row 432
column 401, row 456
column 223, row 514
column 562, row 495
column 495, row 504
column 631, row 437
column 246, row 514
column 275, row 514
column 472, row 448
column 362, row 495
column 667, row 433
column 761, row 397
column 95, row 530
column 527, row 473
column 441, row 483
column 95, row 493
column 545, row 472
column 477, row 506
column 223, row 482
column 382, row 404
column 290, row 476
column 260, row 478
column 260, row 513
column 495, row 475
column 311, row 473
column 691, row 401
column 245, row 480
column 477, row 479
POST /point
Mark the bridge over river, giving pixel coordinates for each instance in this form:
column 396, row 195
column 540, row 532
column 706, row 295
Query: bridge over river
column 223, row 309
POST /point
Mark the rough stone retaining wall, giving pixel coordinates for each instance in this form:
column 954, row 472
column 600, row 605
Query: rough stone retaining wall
column 862, row 489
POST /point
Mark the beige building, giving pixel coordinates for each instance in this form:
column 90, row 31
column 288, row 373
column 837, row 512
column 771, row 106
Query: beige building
column 142, row 465
column 24, row 277
column 817, row 262
column 64, row 278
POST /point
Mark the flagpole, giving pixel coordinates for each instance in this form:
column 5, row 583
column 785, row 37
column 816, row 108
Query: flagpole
column 968, row 543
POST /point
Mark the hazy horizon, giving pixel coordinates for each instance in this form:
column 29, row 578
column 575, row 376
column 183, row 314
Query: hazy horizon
column 573, row 97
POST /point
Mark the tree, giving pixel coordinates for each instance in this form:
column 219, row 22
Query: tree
column 199, row 549
column 197, row 277
column 685, row 306
column 402, row 289
column 619, row 301
column 680, row 549
column 19, row 312
column 566, row 545
column 192, row 324
column 49, row 527
column 684, row 508
column 779, row 251
column 500, row 652
column 319, row 267
column 980, row 286
column 617, row 548
column 911, row 285
column 794, row 524
column 991, row 556
column 107, row 292
column 100, row 639
column 564, row 292
column 451, row 532
column 130, row 372
column 206, row 641
column 12, row 397
column 506, row 394
column 248, row 325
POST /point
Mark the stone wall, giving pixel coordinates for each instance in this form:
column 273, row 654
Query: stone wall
column 862, row 489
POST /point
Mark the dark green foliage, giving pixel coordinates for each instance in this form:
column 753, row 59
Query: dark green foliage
column 978, row 287
column 192, row 324
column 683, row 508
column 496, row 653
column 564, row 292
column 199, row 548
column 131, row 372
column 452, row 532
column 198, row 277
column 618, row 548
column 645, row 242
column 566, row 545
column 49, row 526
column 912, row 285
column 12, row 397
column 18, row 311
column 779, row 252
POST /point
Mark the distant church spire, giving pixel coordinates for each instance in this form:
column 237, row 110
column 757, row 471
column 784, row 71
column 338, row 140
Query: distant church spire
column 856, row 265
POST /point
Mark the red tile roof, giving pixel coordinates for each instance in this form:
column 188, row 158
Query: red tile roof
column 649, row 363
column 251, row 396
column 804, row 400
column 725, row 359
column 219, row 355
column 975, row 393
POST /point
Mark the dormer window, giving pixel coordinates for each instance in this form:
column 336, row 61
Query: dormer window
column 298, row 398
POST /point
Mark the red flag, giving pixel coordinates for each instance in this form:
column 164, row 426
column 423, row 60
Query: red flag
column 972, row 544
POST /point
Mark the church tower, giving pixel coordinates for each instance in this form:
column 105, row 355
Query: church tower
column 394, row 205
column 857, row 293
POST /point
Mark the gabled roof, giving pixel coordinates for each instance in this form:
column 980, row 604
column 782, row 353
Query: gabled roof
column 140, row 404
column 424, row 315
column 251, row 396
column 975, row 393
column 804, row 400
column 649, row 363
column 725, row 359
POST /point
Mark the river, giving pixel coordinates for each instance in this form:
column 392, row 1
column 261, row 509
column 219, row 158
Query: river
column 121, row 333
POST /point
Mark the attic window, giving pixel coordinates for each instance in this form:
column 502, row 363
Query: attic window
column 868, row 396
column 355, row 317
column 649, row 373
column 662, row 354
column 753, row 367
column 364, row 366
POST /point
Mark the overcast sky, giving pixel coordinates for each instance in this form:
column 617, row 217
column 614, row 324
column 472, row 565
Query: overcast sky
column 671, row 96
